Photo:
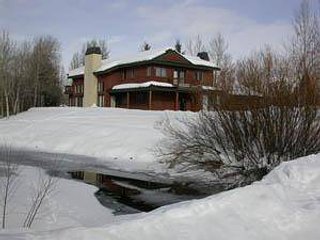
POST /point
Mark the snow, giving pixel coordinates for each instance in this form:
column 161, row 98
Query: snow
column 66, row 206
column 284, row 205
column 118, row 138
column 142, row 85
column 76, row 72
column 140, row 57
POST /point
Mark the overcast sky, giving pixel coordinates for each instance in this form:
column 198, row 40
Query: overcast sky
column 246, row 24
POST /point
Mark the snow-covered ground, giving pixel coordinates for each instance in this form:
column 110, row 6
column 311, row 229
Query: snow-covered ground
column 284, row 205
column 66, row 206
column 118, row 138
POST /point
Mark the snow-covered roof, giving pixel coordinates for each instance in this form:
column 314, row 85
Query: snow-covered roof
column 141, row 57
column 76, row 72
column 142, row 85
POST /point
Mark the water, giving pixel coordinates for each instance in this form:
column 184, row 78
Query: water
column 127, row 196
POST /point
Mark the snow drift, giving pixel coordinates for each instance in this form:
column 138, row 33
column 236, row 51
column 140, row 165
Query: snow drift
column 284, row 205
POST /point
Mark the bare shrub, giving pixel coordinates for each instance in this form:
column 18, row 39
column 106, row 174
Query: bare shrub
column 8, row 180
column 43, row 187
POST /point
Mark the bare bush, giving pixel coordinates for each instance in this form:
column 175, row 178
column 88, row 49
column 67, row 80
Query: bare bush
column 43, row 187
column 245, row 144
column 8, row 180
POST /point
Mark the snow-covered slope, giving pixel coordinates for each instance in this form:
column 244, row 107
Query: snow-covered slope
column 284, row 205
column 119, row 138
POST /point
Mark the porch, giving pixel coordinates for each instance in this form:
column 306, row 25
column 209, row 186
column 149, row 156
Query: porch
column 154, row 98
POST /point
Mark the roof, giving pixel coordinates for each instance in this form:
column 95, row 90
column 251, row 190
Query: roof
column 140, row 57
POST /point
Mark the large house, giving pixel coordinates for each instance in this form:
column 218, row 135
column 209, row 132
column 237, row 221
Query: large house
column 150, row 80
column 154, row 80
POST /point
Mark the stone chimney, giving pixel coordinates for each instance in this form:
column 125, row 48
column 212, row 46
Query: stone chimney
column 92, row 62
column 203, row 56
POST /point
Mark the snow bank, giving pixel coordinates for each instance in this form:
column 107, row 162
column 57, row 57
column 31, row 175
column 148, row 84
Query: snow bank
column 118, row 138
column 284, row 205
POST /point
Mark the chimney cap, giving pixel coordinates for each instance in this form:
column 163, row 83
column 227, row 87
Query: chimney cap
column 203, row 56
column 93, row 50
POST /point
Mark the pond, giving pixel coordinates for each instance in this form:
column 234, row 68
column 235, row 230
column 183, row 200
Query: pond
column 126, row 196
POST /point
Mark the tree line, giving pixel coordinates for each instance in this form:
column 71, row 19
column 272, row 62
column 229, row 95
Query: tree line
column 31, row 73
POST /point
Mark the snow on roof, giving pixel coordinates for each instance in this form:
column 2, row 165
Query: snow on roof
column 198, row 61
column 142, row 85
column 76, row 72
column 140, row 57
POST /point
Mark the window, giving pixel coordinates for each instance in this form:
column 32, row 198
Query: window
column 127, row 73
column 79, row 88
column 78, row 101
column 198, row 75
column 161, row 72
column 100, row 101
column 149, row 71
column 179, row 75
column 100, row 86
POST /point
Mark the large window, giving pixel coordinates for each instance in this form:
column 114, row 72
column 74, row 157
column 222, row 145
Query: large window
column 179, row 76
column 78, row 101
column 79, row 88
column 161, row 72
column 100, row 86
column 198, row 75
column 100, row 101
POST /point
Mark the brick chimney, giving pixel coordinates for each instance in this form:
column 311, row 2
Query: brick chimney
column 203, row 56
column 92, row 62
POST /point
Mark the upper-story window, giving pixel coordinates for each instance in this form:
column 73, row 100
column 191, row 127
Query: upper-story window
column 161, row 72
column 179, row 76
column 128, row 73
column 149, row 71
column 198, row 75
column 100, row 86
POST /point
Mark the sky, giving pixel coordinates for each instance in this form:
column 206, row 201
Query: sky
column 247, row 25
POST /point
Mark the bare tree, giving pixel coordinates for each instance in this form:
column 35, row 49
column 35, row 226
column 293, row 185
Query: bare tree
column 7, row 51
column 218, row 50
column 304, row 49
column 145, row 47
column 78, row 57
column 178, row 47
column 194, row 46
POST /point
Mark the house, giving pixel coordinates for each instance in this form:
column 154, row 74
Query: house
column 150, row 80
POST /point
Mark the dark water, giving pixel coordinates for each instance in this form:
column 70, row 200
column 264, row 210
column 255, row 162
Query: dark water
column 126, row 196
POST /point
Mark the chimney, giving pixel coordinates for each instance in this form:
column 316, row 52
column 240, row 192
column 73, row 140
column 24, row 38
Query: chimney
column 203, row 56
column 92, row 62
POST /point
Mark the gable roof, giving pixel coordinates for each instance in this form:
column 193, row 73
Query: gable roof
column 140, row 57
